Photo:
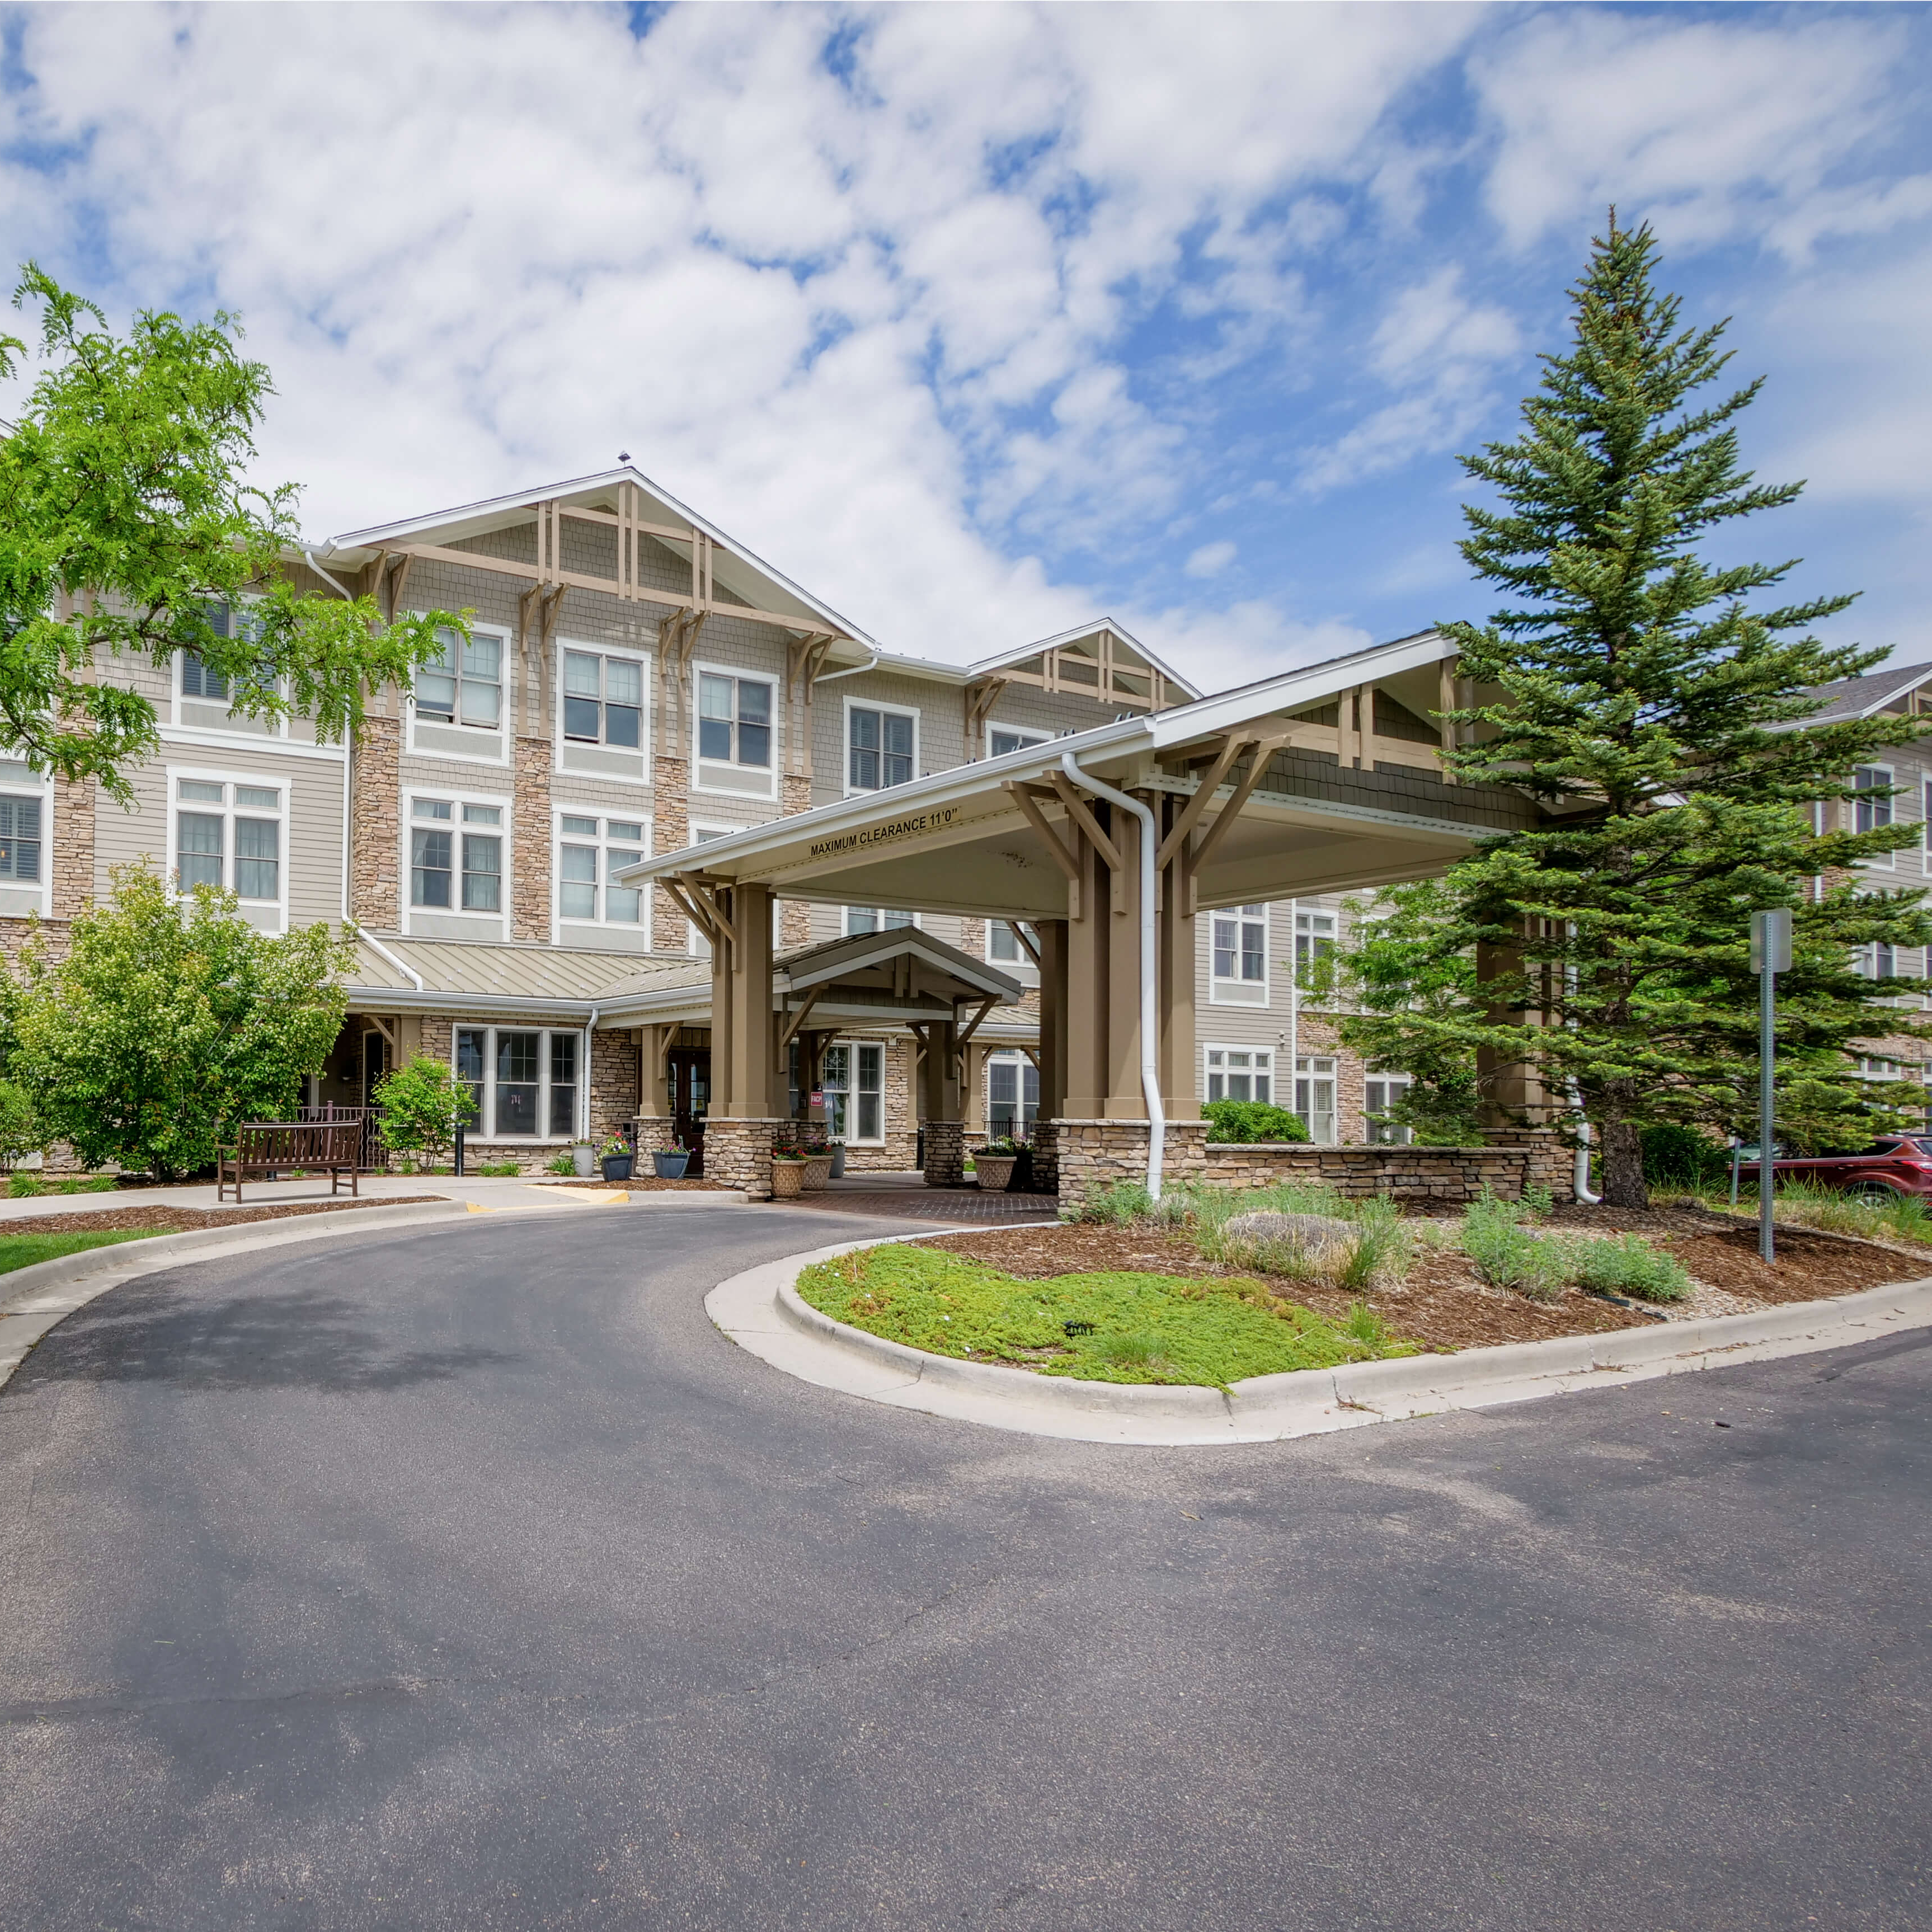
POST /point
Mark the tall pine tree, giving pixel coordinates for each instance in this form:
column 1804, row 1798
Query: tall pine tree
column 1638, row 693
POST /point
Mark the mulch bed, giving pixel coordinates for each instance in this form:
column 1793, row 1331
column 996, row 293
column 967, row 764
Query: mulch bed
column 649, row 1182
column 180, row 1220
column 1442, row 1305
column 1809, row 1266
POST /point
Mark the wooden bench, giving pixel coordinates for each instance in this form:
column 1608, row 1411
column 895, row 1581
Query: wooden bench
column 273, row 1147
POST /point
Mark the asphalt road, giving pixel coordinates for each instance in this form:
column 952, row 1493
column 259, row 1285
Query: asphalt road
column 469, row 1579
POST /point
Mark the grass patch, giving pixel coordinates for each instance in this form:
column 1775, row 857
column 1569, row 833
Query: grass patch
column 1146, row 1327
column 1507, row 1255
column 19, row 1251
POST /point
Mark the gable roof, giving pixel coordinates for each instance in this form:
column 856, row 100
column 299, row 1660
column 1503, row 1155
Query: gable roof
column 1852, row 697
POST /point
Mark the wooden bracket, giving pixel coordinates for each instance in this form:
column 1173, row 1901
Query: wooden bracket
column 961, row 1035
column 980, row 696
column 1264, row 749
column 386, row 1028
column 701, row 907
column 1024, row 940
column 1177, row 840
column 797, row 1020
column 1081, row 814
column 1030, row 807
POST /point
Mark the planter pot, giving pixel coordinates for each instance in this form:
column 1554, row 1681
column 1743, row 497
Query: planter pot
column 995, row 1171
column 817, row 1170
column 787, row 1180
column 838, row 1160
column 583, row 1158
column 670, row 1165
column 617, row 1166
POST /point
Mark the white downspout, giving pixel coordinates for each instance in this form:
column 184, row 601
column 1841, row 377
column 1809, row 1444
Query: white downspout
column 1580, row 1174
column 590, row 1028
column 1150, row 1060
column 1294, row 1000
column 382, row 952
column 339, row 591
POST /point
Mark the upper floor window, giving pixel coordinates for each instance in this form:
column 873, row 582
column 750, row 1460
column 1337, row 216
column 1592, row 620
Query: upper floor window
column 1002, row 943
column 590, row 851
column 1872, row 810
column 1314, row 942
column 880, row 748
column 20, row 840
column 456, row 855
column 603, row 700
column 229, row 836
column 1240, row 946
column 208, row 696
column 463, row 685
column 875, row 919
column 199, row 681
column 1002, row 739
column 734, row 720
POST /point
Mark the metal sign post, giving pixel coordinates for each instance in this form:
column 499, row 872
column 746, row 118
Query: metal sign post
column 1771, row 955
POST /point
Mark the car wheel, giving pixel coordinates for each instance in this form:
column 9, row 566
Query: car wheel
column 1875, row 1194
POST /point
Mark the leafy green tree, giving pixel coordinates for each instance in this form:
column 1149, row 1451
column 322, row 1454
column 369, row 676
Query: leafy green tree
column 1638, row 693
column 21, row 1132
column 127, row 527
column 423, row 1104
column 170, row 1022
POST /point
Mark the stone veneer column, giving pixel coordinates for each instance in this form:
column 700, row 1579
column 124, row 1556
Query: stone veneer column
column 671, row 830
column 529, row 898
column 794, row 915
column 945, row 1154
column 73, row 877
column 738, row 1153
column 375, row 825
column 614, row 1094
column 1092, row 1153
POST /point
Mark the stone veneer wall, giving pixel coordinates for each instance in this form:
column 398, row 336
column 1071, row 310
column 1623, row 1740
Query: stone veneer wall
column 945, row 1154
column 73, row 879
column 1092, row 1153
column 375, row 827
column 898, row 1153
column 670, row 809
column 738, row 1153
column 794, row 915
column 614, row 1070
column 530, row 896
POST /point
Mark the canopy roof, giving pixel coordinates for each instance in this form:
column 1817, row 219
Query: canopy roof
column 1349, row 792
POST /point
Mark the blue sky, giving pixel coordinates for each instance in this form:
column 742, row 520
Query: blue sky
column 983, row 321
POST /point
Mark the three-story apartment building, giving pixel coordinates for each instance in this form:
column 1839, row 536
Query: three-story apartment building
column 635, row 681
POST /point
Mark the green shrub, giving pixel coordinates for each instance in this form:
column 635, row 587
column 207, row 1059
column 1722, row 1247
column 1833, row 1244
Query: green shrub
column 24, row 1184
column 423, row 1104
column 499, row 1170
column 89, row 1183
column 564, row 1163
column 1675, row 1156
column 1242, row 1120
column 1628, row 1264
column 1117, row 1203
column 1506, row 1255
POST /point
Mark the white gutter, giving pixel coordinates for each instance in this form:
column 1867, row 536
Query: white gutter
column 850, row 671
column 382, row 952
column 348, row 596
column 1150, row 1041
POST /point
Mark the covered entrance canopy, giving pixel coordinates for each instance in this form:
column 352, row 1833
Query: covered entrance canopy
column 1318, row 780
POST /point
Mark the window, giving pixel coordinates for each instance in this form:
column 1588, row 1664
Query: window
column 1240, row 945
column 1002, row 739
column 1314, row 943
column 1240, row 1073
column 228, row 835
column 852, row 1077
column 1380, row 1092
column 1002, row 943
column 1315, row 1097
column 734, row 720
column 1925, row 815
column 523, row 1081
column 20, row 840
column 603, row 700
column 198, row 681
column 1012, row 1095
column 1878, row 961
column 463, row 685
column 880, row 748
column 207, row 694
column 1872, row 812
column 589, row 850
column 456, row 855
column 876, row 919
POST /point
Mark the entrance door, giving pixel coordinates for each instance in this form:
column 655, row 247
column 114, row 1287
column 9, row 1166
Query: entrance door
column 689, row 1069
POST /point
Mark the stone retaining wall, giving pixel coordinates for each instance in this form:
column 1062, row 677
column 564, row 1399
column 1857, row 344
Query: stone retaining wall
column 1092, row 1153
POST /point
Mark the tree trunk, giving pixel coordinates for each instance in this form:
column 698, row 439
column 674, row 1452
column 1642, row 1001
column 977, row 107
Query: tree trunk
column 1623, row 1184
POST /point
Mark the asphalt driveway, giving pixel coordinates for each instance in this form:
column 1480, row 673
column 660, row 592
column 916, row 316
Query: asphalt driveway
column 468, row 1578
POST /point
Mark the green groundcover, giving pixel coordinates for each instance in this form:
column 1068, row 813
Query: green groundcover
column 1145, row 1328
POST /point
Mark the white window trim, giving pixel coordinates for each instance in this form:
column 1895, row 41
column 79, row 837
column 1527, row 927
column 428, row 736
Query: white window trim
column 1882, row 862
column 501, row 756
column 647, row 905
column 493, row 1027
column 1022, row 969
column 852, row 1092
column 505, row 830
column 272, row 730
column 1250, row 1047
column 1008, row 1056
column 43, row 789
column 642, row 658
column 1266, row 982
column 227, row 775
column 1334, row 1077
column 845, row 920
column 744, row 676
column 1030, row 734
column 853, row 704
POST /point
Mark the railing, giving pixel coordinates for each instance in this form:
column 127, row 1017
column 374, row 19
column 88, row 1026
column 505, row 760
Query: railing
column 372, row 1157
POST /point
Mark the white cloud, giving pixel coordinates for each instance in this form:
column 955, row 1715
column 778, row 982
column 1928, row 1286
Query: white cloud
column 1210, row 559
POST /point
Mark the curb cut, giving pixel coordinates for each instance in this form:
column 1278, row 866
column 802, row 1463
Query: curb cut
column 33, row 1300
column 762, row 1311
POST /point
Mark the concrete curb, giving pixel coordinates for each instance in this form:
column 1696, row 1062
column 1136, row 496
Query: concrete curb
column 762, row 1311
column 32, row 1300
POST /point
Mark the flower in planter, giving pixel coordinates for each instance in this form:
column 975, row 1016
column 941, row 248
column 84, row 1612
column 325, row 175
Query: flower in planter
column 615, row 1148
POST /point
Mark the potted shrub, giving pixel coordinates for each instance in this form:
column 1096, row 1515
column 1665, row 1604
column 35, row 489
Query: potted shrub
column 669, row 1163
column 787, row 1176
column 817, row 1167
column 993, row 1164
column 583, row 1160
column 616, row 1156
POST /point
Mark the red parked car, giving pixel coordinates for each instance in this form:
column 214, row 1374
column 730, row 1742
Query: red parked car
column 1899, row 1164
